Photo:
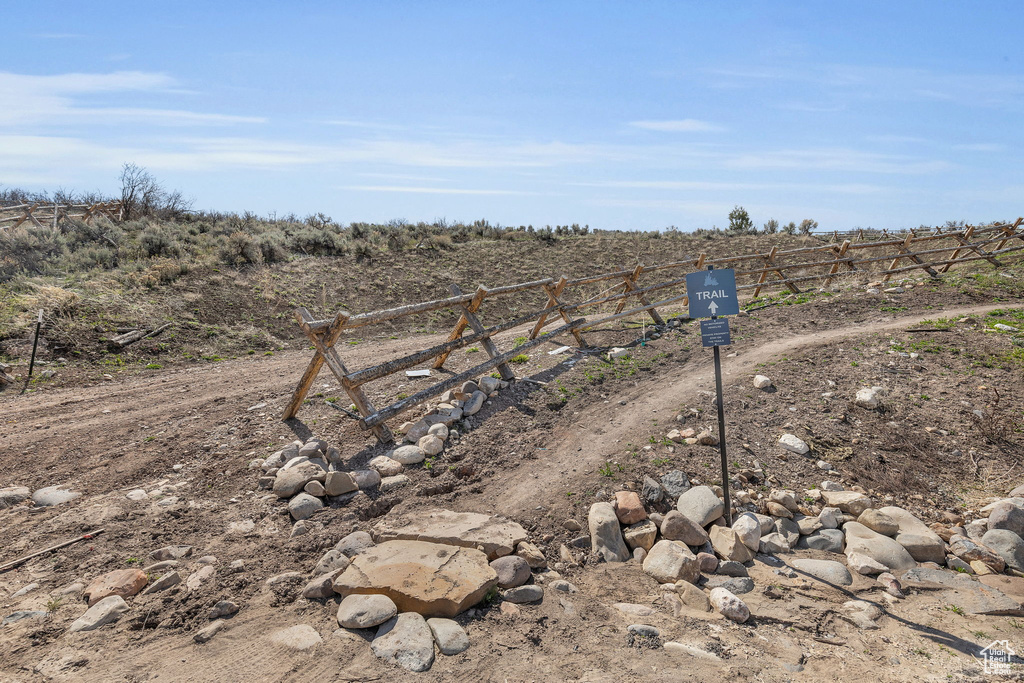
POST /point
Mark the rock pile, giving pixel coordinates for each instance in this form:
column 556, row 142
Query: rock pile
column 679, row 533
column 413, row 576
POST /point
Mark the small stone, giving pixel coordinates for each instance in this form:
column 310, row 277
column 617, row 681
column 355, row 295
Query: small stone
column 105, row 611
column 628, row 507
column 523, row 594
column 641, row 535
column 512, row 571
column 605, row 534
column 571, row 525
column 701, row 505
column 533, row 556
column 678, row 527
column 867, row 398
column 728, row 545
column 392, row 483
column 304, row 506
column 825, row 570
column 794, row 444
column 563, row 586
column 338, row 483
column 879, row 522
column 408, row 455
column 451, row 639
column 728, row 605
column 163, row 583
column 762, row 382
column 675, row 483
column 365, row 611
column 643, row 630
column 386, row 466
column 223, row 608
column 196, row 580
column 671, row 561
column 322, row 586
column 862, row 564
column 430, row 445
column 315, row 488
column 204, row 635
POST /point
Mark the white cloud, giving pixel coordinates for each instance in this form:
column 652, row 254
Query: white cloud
column 707, row 186
column 429, row 190
column 51, row 100
column 678, row 126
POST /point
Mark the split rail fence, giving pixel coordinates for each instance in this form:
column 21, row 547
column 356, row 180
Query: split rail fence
column 52, row 215
column 566, row 299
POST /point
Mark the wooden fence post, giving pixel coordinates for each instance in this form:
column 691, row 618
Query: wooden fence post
column 630, row 286
column 317, row 362
column 338, row 369
column 1010, row 231
column 554, row 291
column 905, row 253
column 840, row 253
column 965, row 244
column 463, row 323
column 503, row 369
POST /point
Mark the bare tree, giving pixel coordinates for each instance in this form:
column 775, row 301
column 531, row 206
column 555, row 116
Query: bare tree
column 141, row 194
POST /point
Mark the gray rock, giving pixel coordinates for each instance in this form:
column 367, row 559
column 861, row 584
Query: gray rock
column 301, row 637
column 678, row 527
column 366, row 479
column 475, row 403
column 1003, row 516
column 826, row 570
column 671, row 561
column 728, row 605
column 860, row 539
column 879, row 522
column 321, row 587
column 738, row 585
column 331, row 560
column 107, row 610
column 772, row 544
column 512, row 571
column 171, row 552
column 923, row 544
column 730, row 568
column 794, row 444
column 391, row 483
column 290, row 481
column 408, row 455
column 223, row 608
column 651, row 492
column 606, row 536
column 1007, row 545
column 365, row 611
column 12, row 495
column 789, row 530
column 523, row 594
column 451, row 639
column 339, row 483
column 304, row 506
column 675, row 483
column 830, row 540
column 204, row 635
column 563, row 586
column 963, row 592
column 701, row 505
column 355, row 543
column 163, row 583
column 53, row 495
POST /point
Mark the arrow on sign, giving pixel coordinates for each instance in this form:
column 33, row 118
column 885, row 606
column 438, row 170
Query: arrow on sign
column 713, row 307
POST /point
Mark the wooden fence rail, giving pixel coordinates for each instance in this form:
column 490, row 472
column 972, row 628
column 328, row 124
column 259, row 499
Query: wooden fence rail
column 52, row 215
column 562, row 298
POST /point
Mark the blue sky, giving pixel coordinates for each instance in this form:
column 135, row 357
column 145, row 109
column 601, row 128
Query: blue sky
column 619, row 115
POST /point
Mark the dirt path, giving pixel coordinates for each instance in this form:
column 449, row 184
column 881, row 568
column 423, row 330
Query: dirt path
column 602, row 428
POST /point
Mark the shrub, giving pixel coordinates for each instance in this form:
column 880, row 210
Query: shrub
column 158, row 240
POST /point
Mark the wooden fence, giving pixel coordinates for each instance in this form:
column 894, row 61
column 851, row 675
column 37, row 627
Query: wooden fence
column 565, row 299
column 52, row 215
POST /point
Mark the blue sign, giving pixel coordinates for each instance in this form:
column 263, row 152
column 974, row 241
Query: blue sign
column 712, row 292
column 715, row 332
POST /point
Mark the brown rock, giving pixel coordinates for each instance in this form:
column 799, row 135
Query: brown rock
column 628, row 507
column 1012, row 586
column 693, row 597
column 779, row 510
column 432, row 579
column 123, row 582
column 497, row 537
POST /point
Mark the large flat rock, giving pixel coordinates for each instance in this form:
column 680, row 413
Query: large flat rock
column 497, row 537
column 432, row 579
column 965, row 592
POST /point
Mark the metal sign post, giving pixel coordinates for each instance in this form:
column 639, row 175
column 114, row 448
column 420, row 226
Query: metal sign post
column 35, row 345
column 713, row 293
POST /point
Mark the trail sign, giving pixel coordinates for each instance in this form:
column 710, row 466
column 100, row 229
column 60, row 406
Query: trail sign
column 712, row 293
column 715, row 332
